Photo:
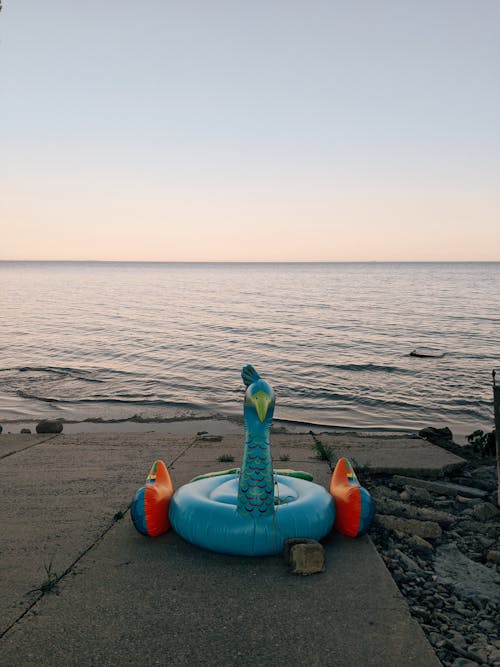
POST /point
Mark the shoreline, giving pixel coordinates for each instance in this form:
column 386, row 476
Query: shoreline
column 211, row 425
column 217, row 425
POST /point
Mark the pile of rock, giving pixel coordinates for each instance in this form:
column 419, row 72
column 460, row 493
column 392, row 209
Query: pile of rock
column 441, row 542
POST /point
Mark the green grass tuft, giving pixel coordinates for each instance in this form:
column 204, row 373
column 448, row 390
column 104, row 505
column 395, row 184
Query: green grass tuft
column 50, row 582
column 226, row 458
column 323, row 452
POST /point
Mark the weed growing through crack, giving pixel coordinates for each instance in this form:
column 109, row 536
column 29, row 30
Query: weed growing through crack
column 49, row 584
column 225, row 458
column 323, row 452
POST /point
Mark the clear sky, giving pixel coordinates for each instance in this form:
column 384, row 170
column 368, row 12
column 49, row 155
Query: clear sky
column 280, row 130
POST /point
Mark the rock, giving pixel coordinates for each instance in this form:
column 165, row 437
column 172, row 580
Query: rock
column 445, row 488
column 458, row 640
column 431, row 433
column 426, row 529
column 464, row 662
column 416, row 493
column 210, row 438
column 1, row 428
column 494, row 655
column 408, row 562
column 420, row 545
column 484, row 512
column 291, row 542
column 487, row 475
column 469, row 502
column 468, row 578
column 489, row 528
column 493, row 556
column 25, row 430
column 49, row 426
column 307, row 558
column 398, row 508
column 382, row 492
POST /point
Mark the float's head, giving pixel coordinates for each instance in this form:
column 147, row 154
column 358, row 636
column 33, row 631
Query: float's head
column 259, row 398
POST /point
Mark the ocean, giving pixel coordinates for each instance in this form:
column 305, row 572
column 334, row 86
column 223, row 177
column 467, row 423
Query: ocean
column 104, row 341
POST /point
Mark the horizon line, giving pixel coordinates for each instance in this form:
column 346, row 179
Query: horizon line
column 251, row 261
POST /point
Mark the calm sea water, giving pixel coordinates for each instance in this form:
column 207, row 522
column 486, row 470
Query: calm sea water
column 162, row 341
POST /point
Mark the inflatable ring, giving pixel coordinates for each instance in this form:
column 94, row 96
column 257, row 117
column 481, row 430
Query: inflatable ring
column 205, row 513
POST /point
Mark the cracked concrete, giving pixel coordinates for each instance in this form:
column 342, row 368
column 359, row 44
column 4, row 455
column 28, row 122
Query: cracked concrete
column 136, row 598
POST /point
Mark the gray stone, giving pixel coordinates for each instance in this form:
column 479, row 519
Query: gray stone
column 291, row 542
column 399, row 508
column 307, row 558
column 426, row 529
column 466, row 576
column 445, row 488
column 469, row 502
column 433, row 434
column 49, row 426
column 408, row 562
column 383, row 492
column 494, row 655
column 420, row 545
column 485, row 511
column 416, row 493
column 458, row 640
column 493, row 556
column 490, row 528
column 464, row 662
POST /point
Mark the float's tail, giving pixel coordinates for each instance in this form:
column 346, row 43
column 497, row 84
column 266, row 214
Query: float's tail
column 149, row 510
column 354, row 505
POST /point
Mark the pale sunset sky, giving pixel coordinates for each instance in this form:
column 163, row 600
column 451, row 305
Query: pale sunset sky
column 229, row 130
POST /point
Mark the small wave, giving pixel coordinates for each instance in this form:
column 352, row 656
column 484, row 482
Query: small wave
column 379, row 368
column 59, row 371
column 105, row 401
column 139, row 419
column 33, row 397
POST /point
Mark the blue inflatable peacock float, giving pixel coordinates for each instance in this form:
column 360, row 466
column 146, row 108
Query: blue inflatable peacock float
column 252, row 511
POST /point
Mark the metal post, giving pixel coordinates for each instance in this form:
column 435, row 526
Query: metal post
column 496, row 410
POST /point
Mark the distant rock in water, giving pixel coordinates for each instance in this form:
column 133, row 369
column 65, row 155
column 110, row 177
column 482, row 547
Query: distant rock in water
column 427, row 352
column 49, row 426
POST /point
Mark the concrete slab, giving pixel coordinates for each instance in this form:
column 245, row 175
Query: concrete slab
column 57, row 499
column 392, row 454
column 202, row 456
column 137, row 601
column 12, row 443
column 125, row 599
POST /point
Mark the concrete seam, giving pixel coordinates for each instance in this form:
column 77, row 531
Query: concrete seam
column 68, row 569
column 181, row 454
column 34, row 444
column 84, row 553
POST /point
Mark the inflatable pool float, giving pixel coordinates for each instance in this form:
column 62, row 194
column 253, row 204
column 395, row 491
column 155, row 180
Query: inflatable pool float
column 354, row 505
column 252, row 511
column 149, row 510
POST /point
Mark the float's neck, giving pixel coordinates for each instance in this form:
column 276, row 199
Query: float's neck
column 256, row 484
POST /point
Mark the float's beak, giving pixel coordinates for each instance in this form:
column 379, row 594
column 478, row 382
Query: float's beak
column 261, row 401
